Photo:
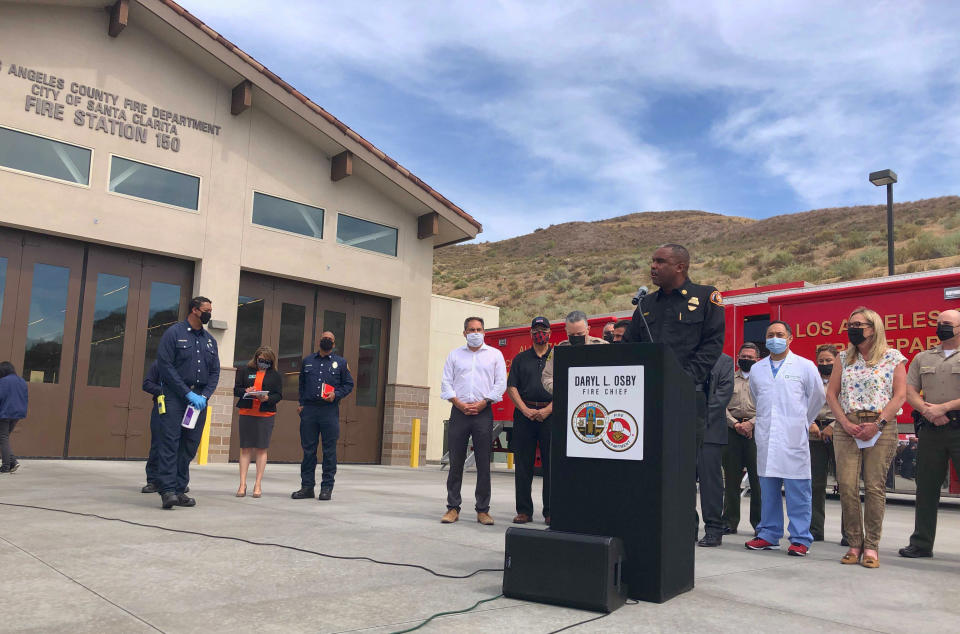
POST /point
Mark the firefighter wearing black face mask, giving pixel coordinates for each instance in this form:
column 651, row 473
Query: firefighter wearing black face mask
column 578, row 334
column 189, row 365
column 324, row 379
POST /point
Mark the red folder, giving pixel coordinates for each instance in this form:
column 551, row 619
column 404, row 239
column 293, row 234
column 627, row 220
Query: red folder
column 326, row 390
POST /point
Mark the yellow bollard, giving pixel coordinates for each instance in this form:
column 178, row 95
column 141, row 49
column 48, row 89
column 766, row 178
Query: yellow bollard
column 415, row 443
column 510, row 460
column 205, row 440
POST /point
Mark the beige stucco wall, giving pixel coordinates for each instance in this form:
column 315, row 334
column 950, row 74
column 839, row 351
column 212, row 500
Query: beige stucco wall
column 254, row 151
column 446, row 333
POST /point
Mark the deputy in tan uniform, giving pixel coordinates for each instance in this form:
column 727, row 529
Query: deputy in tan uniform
column 578, row 334
column 933, row 390
column 821, row 444
column 741, row 449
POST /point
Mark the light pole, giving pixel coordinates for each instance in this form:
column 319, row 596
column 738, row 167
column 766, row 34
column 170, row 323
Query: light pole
column 888, row 178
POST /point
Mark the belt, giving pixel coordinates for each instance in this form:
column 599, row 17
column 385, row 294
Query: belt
column 864, row 416
column 536, row 404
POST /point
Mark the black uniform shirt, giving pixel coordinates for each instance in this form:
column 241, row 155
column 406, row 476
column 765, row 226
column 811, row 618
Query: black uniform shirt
column 315, row 370
column 525, row 375
column 690, row 320
column 188, row 360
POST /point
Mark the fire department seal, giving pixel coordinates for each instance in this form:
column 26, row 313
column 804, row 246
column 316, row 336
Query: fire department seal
column 589, row 422
column 621, row 432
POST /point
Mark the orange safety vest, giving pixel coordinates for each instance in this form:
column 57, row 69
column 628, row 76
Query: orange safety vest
column 255, row 410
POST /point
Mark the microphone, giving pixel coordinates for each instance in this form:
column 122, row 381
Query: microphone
column 641, row 292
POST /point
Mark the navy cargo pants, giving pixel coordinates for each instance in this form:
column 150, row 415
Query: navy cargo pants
column 319, row 421
column 178, row 445
column 156, row 423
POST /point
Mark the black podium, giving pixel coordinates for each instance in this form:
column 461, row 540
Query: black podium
column 649, row 503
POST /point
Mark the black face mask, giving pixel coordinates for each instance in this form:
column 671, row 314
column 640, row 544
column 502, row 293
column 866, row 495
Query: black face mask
column 745, row 364
column 326, row 344
column 856, row 335
column 944, row 332
column 608, row 337
column 577, row 340
column 826, row 369
column 205, row 317
column 264, row 365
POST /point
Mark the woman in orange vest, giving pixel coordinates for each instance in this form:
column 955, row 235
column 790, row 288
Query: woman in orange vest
column 258, row 385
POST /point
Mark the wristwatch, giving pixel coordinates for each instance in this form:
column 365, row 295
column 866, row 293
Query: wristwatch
column 880, row 423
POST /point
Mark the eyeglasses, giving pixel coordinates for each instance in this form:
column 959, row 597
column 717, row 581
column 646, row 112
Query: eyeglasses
column 859, row 324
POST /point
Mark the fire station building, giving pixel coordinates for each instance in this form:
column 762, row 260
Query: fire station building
column 145, row 159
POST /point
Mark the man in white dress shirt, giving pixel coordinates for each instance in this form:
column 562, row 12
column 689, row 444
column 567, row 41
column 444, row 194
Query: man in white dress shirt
column 474, row 377
column 789, row 393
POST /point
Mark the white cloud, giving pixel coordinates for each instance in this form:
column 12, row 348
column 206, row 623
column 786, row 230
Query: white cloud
column 816, row 94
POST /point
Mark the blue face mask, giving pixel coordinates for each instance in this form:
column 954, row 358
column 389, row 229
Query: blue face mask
column 776, row 345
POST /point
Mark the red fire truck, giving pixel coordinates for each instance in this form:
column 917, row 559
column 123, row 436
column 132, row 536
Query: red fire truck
column 909, row 304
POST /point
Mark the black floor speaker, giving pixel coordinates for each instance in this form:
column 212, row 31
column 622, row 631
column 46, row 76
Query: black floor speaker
column 569, row 569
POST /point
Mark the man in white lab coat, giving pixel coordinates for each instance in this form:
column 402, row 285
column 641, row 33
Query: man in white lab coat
column 789, row 393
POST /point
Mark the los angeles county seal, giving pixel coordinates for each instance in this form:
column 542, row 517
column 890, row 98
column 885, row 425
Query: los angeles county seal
column 589, row 422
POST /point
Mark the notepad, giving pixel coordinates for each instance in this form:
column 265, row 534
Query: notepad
column 865, row 444
column 256, row 394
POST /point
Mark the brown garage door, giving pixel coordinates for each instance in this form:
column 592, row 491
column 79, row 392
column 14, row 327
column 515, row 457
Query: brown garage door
column 289, row 317
column 82, row 323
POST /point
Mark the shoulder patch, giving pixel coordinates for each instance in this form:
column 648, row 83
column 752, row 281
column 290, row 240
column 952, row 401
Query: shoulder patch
column 716, row 298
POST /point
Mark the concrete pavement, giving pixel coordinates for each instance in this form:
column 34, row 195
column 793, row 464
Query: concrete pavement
column 67, row 573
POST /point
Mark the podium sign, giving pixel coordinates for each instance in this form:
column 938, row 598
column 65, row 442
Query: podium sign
column 605, row 412
column 644, row 494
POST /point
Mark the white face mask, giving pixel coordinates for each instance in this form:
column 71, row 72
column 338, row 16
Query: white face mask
column 475, row 339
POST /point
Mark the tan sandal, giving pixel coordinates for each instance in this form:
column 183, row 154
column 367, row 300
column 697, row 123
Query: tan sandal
column 242, row 492
column 256, row 493
column 850, row 558
column 870, row 562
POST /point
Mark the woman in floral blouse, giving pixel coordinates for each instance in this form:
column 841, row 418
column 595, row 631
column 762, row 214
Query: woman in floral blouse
column 867, row 388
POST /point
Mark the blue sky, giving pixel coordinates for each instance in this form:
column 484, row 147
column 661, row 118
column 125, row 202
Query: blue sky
column 533, row 113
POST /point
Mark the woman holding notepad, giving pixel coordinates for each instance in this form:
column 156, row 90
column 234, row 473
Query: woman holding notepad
column 258, row 386
column 867, row 387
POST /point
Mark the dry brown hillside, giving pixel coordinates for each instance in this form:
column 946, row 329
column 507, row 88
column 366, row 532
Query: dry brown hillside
column 597, row 266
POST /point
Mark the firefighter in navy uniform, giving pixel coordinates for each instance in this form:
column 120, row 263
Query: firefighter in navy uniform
column 320, row 415
column 189, row 366
column 687, row 317
column 154, row 387
column 933, row 390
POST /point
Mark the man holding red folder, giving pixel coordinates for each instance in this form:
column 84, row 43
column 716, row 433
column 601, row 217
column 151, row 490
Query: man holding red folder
column 324, row 380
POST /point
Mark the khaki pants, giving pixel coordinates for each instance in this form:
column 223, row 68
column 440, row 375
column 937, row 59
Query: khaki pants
column 863, row 531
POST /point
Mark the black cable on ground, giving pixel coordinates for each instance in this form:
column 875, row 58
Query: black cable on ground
column 256, row 543
column 439, row 614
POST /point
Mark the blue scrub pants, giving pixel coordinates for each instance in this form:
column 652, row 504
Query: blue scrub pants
column 178, row 446
column 155, row 433
column 799, row 494
column 316, row 422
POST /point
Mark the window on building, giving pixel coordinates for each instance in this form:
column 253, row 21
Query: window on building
column 249, row 329
column 286, row 215
column 109, row 328
column 45, row 326
column 45, row 157
column 154, row 183
column 366, row 235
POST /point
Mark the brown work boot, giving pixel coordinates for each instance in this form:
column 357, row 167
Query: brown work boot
column 450, row 516
column 485, row 519
column 522, row 518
